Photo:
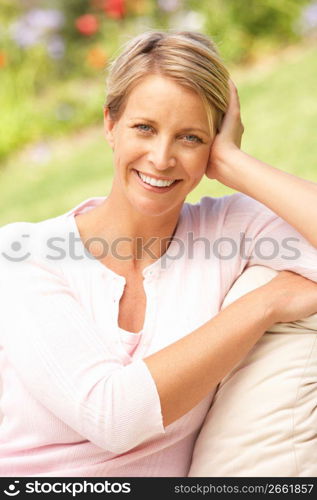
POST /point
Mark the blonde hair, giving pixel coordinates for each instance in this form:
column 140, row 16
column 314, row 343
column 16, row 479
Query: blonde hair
column 189, row 58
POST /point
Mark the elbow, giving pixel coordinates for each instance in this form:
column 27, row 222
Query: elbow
column 112, row 420
column 113, row 439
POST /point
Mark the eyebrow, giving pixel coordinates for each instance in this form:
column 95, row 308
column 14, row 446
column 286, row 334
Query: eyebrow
column 188, row 129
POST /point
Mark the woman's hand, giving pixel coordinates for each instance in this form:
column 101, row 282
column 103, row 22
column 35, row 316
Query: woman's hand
column 227, row 141
column 290, row 297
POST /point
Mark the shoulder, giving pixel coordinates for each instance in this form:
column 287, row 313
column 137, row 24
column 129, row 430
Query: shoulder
column 27, row 242
column 219, row 209
column 228, row 216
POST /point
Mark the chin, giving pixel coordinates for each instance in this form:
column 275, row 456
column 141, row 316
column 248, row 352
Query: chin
column 152, row 208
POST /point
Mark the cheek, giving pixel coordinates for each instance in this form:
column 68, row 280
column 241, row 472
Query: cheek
column 199, row 164
column 125, row 153
column 131, row 149
column 196, row 167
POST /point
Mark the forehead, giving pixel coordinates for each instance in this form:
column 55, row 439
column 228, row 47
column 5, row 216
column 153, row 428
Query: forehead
column 159, row 95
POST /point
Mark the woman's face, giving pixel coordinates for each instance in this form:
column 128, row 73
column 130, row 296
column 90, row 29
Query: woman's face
column 163, row 134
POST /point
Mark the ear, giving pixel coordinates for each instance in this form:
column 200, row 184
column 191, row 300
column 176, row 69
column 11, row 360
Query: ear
column 109, row 125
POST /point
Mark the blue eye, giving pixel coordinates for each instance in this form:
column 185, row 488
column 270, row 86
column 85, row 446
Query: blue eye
column 142, row 127
column 193, row 138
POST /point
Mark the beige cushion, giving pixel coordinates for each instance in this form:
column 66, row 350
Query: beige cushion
column 263, row 419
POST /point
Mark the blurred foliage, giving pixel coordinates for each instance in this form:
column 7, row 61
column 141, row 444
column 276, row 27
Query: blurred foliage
column 245, row 27
column 279, row 112
column 53, row 53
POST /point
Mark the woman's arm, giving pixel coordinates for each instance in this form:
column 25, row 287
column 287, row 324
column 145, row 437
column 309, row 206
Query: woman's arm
column 292, row 198
column 76, row 372
column 186, row 371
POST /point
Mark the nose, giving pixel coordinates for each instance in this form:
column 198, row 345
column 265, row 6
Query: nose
column 161, row 154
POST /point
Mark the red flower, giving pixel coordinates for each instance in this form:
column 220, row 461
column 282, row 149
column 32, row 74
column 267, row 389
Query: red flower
column 3, row 59
column 87, row 24
column 114, row 8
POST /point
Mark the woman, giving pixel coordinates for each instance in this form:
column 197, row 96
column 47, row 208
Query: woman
column 111, row 354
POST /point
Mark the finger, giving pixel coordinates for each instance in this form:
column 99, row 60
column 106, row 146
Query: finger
column 232, row 118
column 234, row 101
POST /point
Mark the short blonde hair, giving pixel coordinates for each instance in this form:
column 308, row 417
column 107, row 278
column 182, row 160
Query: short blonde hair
column 189, row 58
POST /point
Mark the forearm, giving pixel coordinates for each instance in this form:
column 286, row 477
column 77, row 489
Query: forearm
column 186, row 371
column 292, row 198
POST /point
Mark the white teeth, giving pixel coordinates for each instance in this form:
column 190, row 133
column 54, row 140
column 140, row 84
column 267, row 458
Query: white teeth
column 155, row 182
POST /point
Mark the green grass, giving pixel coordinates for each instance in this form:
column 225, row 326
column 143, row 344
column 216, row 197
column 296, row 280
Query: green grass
column 58, row 110
column 279, row 111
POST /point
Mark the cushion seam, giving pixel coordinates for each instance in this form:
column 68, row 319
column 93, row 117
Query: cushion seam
column 295, row 406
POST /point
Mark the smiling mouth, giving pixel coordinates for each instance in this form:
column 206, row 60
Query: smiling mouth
column 155, row 181
column 155, row 185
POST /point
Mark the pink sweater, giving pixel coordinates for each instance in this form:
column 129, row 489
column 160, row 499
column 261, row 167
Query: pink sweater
column 78, row 399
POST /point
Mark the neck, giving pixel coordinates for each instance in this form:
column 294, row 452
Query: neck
column 134, row 240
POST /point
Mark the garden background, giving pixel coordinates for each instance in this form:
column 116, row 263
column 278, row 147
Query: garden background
column 53, row 57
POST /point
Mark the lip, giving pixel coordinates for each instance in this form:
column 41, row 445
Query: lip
column 156, row 177
column 154, row 188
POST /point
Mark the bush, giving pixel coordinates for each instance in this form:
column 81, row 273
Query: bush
column 242, row 28
column 53, row 52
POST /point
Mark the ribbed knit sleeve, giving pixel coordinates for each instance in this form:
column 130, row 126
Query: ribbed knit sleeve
column 264, row 238
column 63, row 362
column 243, row 232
